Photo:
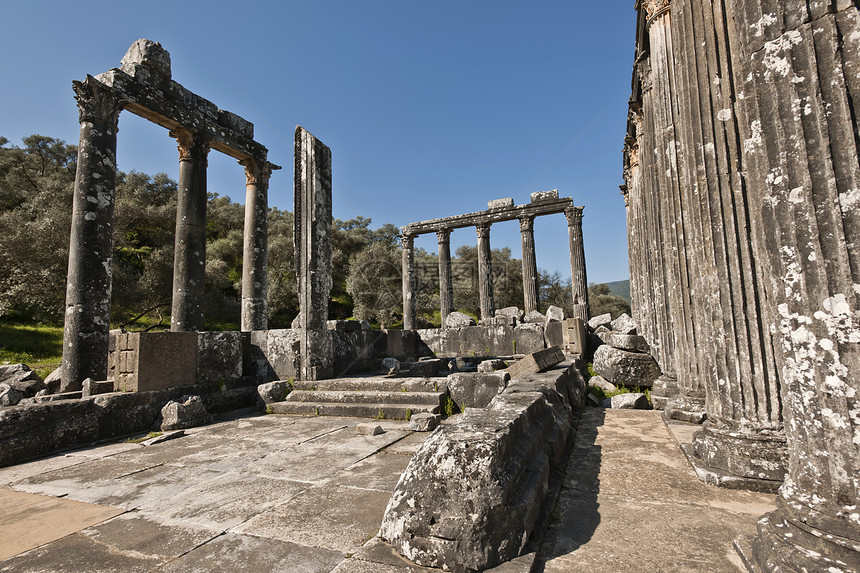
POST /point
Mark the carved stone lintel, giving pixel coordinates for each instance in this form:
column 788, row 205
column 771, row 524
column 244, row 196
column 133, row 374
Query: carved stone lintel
column 483, row 230
column 527, row 224
column 193, row 146
column 443, row 236
column 97, row 103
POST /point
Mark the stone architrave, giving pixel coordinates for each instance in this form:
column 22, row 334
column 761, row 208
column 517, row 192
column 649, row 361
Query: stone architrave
column 189, row 258
column 409, row 287
column 530, row 272
column 446, row 284
column 255, row 252
column 85, row 336
column 313, row 221
column 578, row 278
column 485, row 272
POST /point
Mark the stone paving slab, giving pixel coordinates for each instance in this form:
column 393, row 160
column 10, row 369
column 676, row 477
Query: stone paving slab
column 630, row 502
column 28, row 520
column 64, row 481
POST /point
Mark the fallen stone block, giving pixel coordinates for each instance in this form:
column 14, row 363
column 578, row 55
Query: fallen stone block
column 54, row 380
column 602, row 383
column 272, row 391
column 534, row 317
column 623, row 325
column 459, row 320
column 631, row 401
column 492, row 365
column 624, row 368
column 554, row 314
column 511, row 311
column 186, row 412
column 598, row 321
column 424, row 422
column 631, row 342
column 368, row 429
column 476, row 390
column 542, row 196
column 10, row 396
column 536, row 362
column 21, row 378
column 500, row 203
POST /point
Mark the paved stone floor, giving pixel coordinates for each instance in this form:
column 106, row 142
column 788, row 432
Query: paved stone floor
column 292, row 494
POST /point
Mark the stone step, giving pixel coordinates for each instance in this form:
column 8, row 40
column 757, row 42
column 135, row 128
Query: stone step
column 365, row 397
column 378, row 411
column 375, row 383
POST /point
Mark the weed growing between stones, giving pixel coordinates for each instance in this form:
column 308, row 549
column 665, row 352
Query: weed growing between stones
column 380, row 415
column 144, row 438
column 601, row 395
column 408, row 415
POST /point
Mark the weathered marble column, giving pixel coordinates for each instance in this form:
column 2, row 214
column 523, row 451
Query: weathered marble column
column 189, row 258
column 799, row 76
column 485, row 272
column 255, row 252
column 88, row 291
column 578, row 278
column 312, row 240
column 446, row 284
column 408, row 281
column 530, row 271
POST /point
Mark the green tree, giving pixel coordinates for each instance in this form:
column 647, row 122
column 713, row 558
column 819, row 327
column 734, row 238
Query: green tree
column 602, row 301
column 374, row 283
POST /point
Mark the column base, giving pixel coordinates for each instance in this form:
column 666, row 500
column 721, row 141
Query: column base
column 664, row 389
column 721, row 478
column 686, row 407
column 786, row 544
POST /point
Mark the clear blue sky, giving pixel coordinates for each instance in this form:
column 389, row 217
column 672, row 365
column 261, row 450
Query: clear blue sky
column 431, row 108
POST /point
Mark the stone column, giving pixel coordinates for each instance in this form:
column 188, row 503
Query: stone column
column 530, row 271
column 255, row 252
column 485, row 272
column 799, row 77
column 408, row 254
column 88, row 291
column 446, row 284
column 312, row 240
column 578, row 278
column 189, row 258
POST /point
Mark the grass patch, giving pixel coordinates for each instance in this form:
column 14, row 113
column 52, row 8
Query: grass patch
column 601, row 395
column 144, row 438
column 38, row 346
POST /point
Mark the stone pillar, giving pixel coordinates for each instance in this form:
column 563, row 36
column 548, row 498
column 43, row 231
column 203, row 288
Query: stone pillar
column 189, row 258
column 578, row 278
column 530, row 271
column 255, row 252
column 446, row 284
column 408, row 280
column 88, row 291
column 312, row 240
column 485, row 272
column 799, row 77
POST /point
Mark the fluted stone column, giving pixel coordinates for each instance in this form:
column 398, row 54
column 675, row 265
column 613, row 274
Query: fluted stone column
column 485, row 272
column 189, row 259
column 578, row 278
column 799, row 76
column 446, row 284
column 312, row 242
column 530, row 271
column 88, row 291
column 408, row 281
column 255, row 252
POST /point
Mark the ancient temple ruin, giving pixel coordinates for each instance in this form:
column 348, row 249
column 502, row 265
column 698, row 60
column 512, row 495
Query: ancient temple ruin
column 741, row 169
column 143, row 86
column 499, row 210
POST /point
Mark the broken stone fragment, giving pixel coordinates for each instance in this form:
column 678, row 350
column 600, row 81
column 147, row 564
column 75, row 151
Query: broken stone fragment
column 534, row 317
column 368, row 429
column 624, row 368
column 149, row 53
column 390, row 365
column 500, row 203
column 554, row 314
column 511, row 311
column 186, row 412
column 424, row 422
column 541, row 196
column 272, row 392
column 21, row 378
column 631, row 342
column 631, row 401
column 491, row 365
column 598, row 321
column 459, row 320
column 53, row 381
column 602, row 383
column 624, row 325
column 9, row 396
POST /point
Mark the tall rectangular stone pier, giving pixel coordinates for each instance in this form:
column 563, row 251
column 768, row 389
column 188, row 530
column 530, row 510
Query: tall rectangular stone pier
column 313, row 220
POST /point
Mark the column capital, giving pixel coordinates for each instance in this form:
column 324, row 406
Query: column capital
column 483, row 230
column 192, row 145
column 443, row 236
column 407, row 241
column 257, row 170
column 97, row 102
column 527, row 224
column 654, row 8
column 574, row 216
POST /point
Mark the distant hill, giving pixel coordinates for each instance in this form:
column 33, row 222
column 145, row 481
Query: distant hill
column 620, row 288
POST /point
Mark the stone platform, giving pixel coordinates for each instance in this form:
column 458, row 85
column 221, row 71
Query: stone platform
column 284, row 493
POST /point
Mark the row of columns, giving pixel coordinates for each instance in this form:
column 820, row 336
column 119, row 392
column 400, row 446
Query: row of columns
column 88, row 294
column 579, row 281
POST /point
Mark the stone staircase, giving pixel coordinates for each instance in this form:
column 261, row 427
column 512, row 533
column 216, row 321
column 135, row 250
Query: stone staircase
column 380, row 397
